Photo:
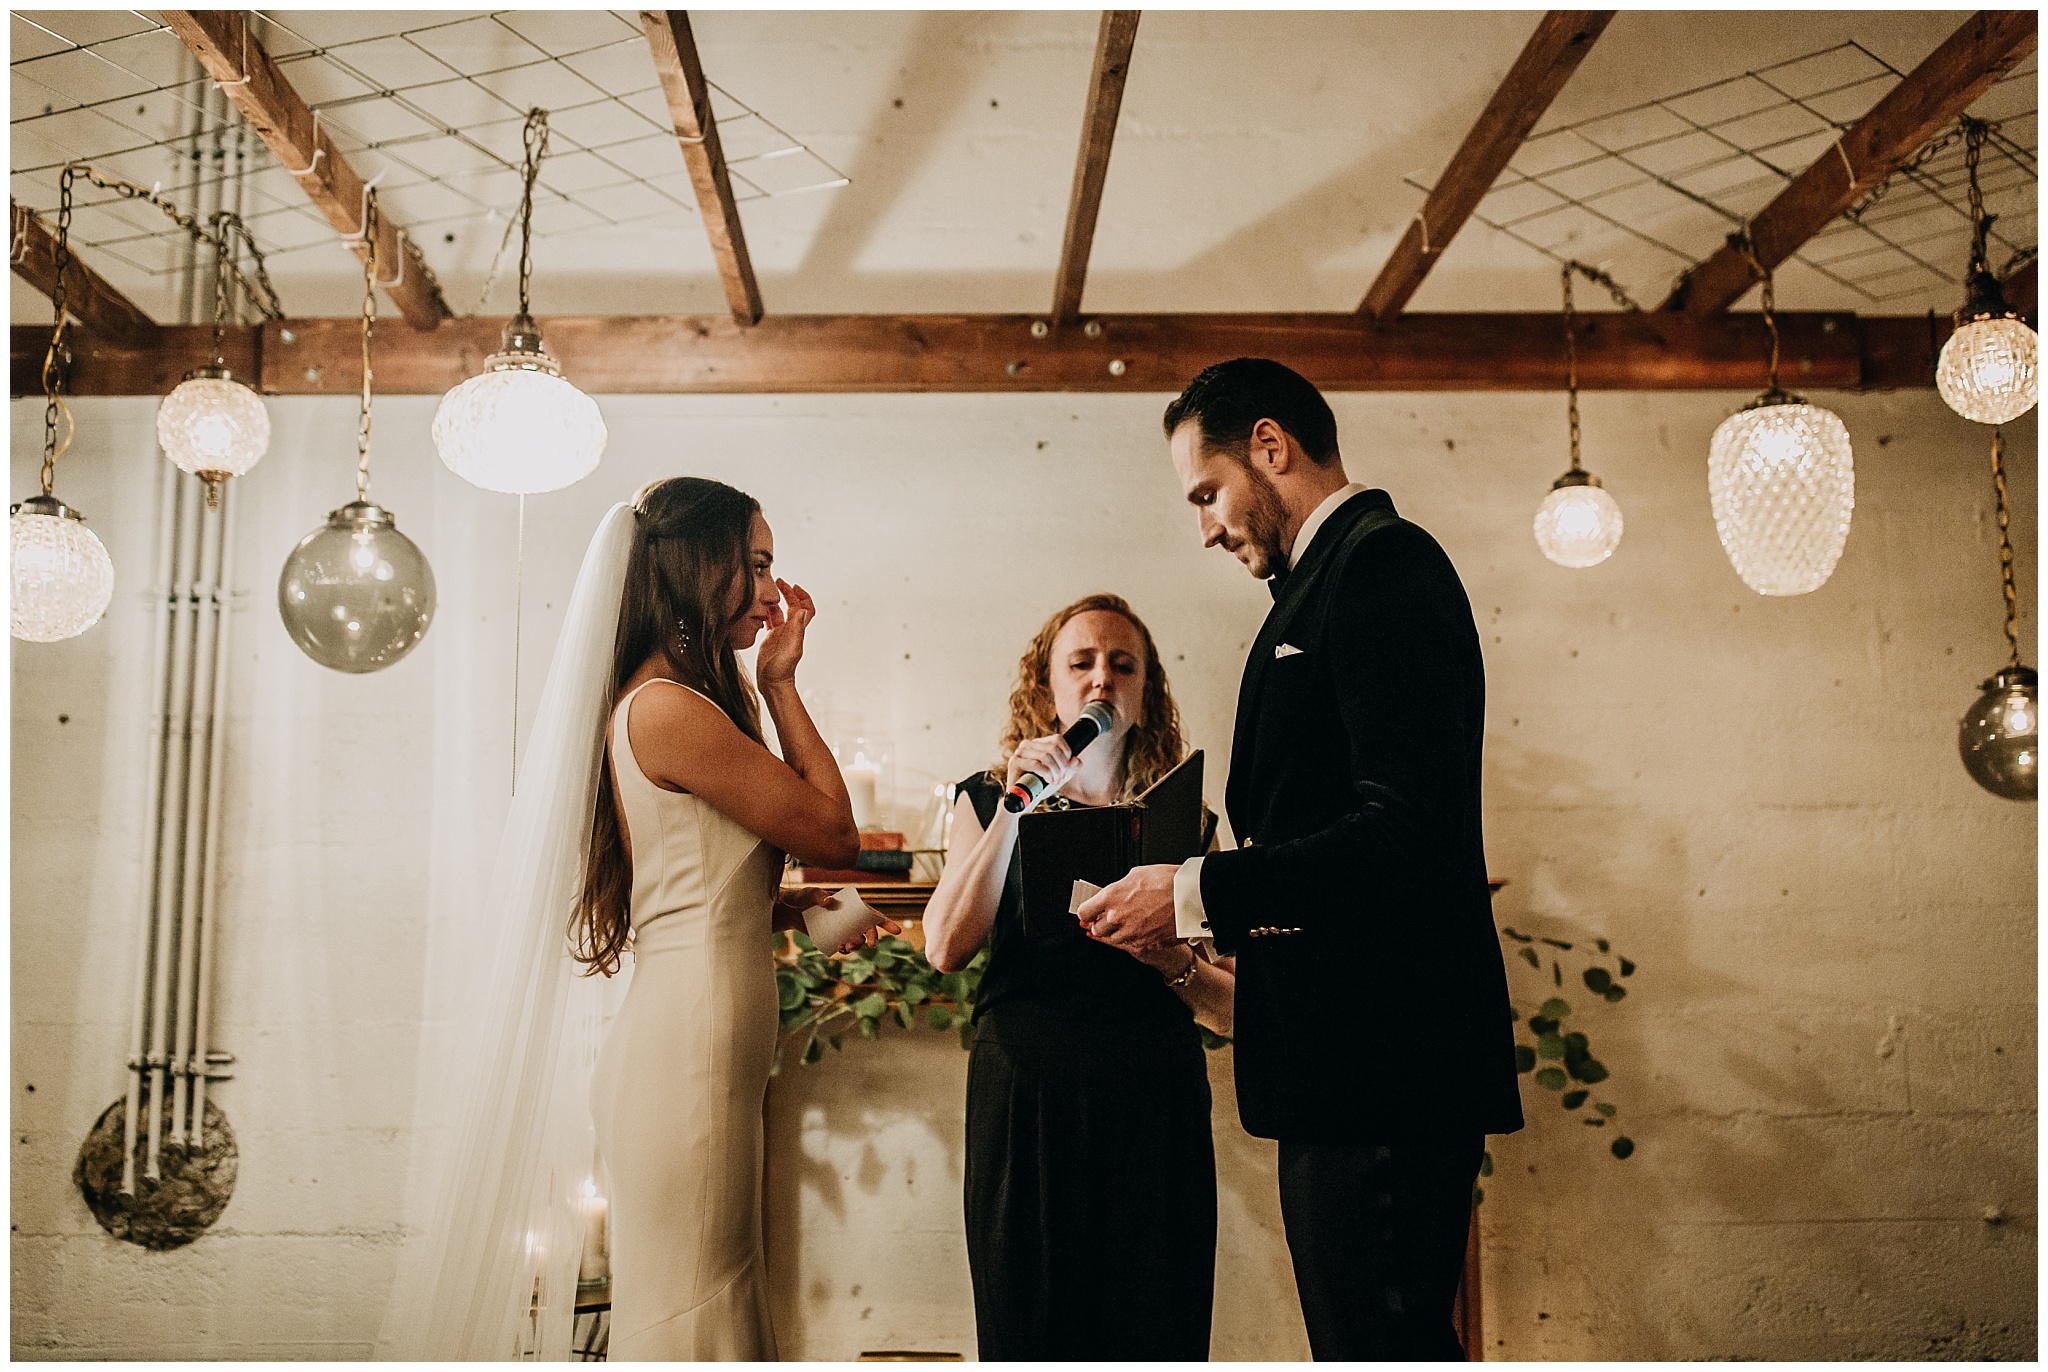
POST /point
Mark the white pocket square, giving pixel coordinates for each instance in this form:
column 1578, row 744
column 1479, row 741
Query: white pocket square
column 1286, row 650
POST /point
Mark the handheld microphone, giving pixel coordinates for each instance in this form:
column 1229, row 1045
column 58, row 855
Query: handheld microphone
column 1094, row 721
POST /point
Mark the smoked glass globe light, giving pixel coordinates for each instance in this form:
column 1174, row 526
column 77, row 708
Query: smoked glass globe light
column 356, row 594
column 62, row 578
column 519, row 427
column 1999, row 737
column 213, row 426
column 1578, row 524
column 1782, row 480
column 1988, row 369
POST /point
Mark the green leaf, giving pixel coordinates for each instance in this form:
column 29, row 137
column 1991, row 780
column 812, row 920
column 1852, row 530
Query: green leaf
column 938, row 1017
column 1616, row 993
column 1551, row 1079
column 1574, row 1099
column 966, row 1034
column 1622, row 1146
column 1555, row 1009
column 1604, row 1108
column 813, row 1050
column 790, row 991
column 1525, row 1058
column 1529, row 956
column 837, row 1042
column 1628, row 969
column 905, row 1015
column 1486, row 1164
column 871, row 1006
column 856, row 970
column 870, row 1028
column 1597, row 980
column 1550, row 1046
column 802, row 941
column 1588, row 1070
column 915, row 994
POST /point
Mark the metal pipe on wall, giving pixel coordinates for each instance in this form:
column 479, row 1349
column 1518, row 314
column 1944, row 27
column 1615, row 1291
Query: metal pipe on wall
column 201, row 1062
column 199, row 731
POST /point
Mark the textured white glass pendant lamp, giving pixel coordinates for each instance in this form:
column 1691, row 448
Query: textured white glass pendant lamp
column 1988, row 369
column 61, row 579
column 1782, row 480
column 356, row 595
column 520, row 427
column 211, row 424
column 1578, row 524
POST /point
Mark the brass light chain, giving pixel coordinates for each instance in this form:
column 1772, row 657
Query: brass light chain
column 370, row 217
column 2012, row 595
column 1770, row 302
column 535, row 139
column 1975, row 133
column 1571, row 362
column 224, row 222
column 53, row 407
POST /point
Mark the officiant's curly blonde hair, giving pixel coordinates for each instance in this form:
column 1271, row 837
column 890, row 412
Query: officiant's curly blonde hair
column 1155, row 746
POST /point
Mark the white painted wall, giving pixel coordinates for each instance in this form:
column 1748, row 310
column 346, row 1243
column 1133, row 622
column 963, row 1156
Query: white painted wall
column 1828, row 1060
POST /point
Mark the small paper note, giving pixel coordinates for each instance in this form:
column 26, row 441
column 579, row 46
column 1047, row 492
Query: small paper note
column 832, row 928
column 1082, row 891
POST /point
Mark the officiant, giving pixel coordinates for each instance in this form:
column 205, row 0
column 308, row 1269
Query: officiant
column 1090, row 1189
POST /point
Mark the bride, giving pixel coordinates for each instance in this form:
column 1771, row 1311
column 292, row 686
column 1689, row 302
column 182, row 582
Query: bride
column 651, row 813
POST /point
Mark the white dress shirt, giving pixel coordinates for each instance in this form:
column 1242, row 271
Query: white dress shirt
column 1190, row 920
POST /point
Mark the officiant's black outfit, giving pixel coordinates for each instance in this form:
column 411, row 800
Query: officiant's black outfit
column 1373, row 1037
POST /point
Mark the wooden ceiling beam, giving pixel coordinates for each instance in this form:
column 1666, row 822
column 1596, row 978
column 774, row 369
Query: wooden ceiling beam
column 107, row 313
column 1091, row 168
column 997, row 354
column 1987, row 46
column 232, row 56
column 1561, row 41
column 689, row 107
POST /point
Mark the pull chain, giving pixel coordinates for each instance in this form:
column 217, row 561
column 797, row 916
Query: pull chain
column 369, row 328
column 2012, row 595
column 1571, row 363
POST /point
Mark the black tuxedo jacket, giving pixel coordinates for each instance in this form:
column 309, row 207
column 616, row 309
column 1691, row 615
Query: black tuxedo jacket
column 1372, row 1001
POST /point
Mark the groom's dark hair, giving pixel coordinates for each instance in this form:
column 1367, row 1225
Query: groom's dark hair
column 1228, row 399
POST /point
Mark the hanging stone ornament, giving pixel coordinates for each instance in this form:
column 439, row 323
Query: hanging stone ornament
column 1782, row 480
column 356, row 594
column 1578, row 524
column 1989, row 368
column 2000, row 733
column 520, row 428
column 61, row 579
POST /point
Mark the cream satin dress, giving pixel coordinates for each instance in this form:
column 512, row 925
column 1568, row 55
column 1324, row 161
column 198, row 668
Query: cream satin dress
column 681, row 1080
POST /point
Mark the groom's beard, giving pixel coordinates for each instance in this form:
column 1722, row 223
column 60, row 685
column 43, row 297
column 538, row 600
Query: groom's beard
column 1265, row 522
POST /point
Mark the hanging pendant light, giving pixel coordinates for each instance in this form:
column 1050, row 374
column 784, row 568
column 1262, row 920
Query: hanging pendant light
column 1578, row 524
column 1988, row 368
column 520, row 427
column 1999, row 735
column 212, row 424
column 1782, row 480
column 356, row 594
column 61, row 578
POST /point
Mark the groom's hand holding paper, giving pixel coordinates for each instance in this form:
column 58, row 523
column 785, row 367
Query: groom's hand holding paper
column 1067, row 850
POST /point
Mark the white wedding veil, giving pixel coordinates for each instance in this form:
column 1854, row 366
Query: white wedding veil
column 495, row 1275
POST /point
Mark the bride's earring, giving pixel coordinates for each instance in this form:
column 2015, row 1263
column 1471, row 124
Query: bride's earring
column 682, row 638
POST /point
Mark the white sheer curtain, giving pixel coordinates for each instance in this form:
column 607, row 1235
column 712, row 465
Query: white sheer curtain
column 495, row 1276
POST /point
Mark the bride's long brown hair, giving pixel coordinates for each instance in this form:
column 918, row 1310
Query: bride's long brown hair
column 688, row 568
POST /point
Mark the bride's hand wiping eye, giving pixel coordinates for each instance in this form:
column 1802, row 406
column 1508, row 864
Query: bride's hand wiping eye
column 782, row 646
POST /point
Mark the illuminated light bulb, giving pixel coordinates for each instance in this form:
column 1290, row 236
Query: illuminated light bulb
column 214, row 427
column 519, row 427
column 356, row 594
column 1578, row 524
column 1998, row 736
column 1782, row 479
column 1988, row 369
column 62, row 579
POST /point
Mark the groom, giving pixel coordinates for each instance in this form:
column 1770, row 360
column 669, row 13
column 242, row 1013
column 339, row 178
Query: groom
column 1373, row 1038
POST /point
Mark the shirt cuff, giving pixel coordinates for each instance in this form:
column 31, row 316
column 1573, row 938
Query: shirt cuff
column 1190, row 920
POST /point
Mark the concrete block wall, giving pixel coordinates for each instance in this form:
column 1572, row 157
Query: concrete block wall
column 1827, row 1059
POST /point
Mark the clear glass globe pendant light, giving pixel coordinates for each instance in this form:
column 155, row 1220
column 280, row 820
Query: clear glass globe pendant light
column 520, row 427
column 212, row 424
column 1578, row 524
column 1999, row 736
column 356, row 594
column 1782, row 480
column 61, row 577
column 1988, row 369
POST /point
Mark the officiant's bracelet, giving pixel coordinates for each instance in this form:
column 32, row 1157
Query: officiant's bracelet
column 1185, row 977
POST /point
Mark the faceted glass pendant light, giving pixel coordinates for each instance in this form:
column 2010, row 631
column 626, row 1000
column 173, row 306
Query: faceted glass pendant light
column 62, row 579
column 356, row 594
column 1578, row 524
column 519, row 427
column 1999, row 736
column 1988, row 369
column 213, row 426
column 1782, row 480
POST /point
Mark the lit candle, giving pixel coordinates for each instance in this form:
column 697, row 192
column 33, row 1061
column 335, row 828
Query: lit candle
column 597, row 1264
column 860, row 777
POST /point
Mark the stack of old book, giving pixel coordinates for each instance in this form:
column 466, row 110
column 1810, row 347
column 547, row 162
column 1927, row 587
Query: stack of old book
column 884, row 856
